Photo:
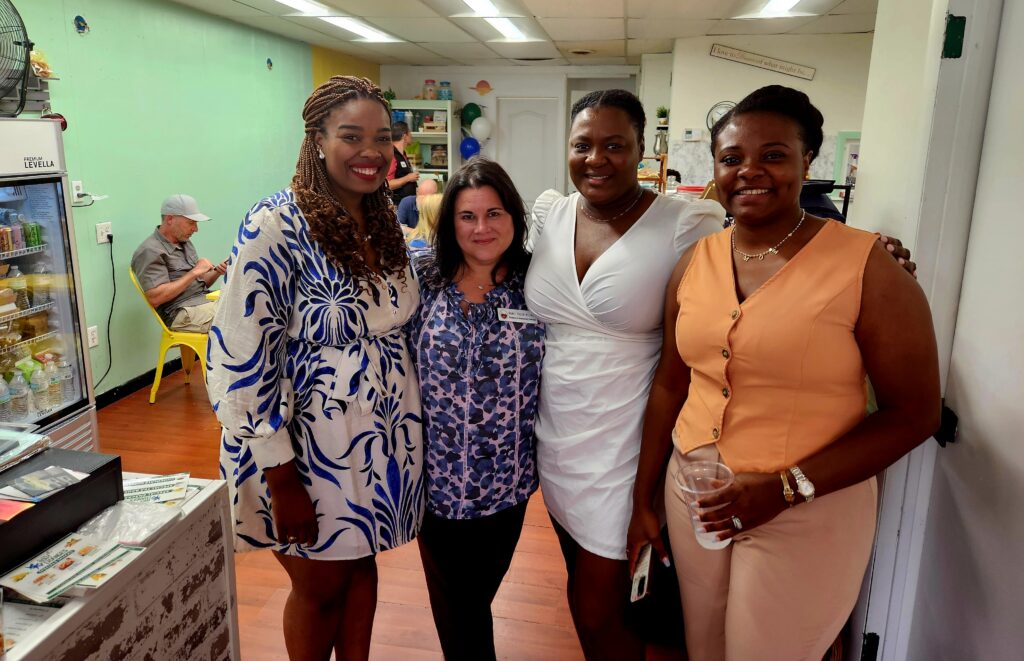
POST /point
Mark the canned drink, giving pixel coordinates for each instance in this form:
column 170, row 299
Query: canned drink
column 33, row 235
column 17, row 236
column 5, row 240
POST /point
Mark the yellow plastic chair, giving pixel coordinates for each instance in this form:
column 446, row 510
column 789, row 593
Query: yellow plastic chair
column 171, row 338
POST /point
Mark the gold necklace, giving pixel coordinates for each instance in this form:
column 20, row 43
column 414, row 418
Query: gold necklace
column 774, row 250
column 583, row 208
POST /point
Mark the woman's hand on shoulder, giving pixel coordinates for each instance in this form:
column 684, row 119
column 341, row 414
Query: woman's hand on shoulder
column 895, row 248
column 290, row 506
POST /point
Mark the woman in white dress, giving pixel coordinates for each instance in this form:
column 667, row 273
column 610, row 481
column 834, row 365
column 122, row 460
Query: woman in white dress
column 601, row 260
column 311, row 378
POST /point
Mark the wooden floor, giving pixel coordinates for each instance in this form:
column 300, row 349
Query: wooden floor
column 180, row 433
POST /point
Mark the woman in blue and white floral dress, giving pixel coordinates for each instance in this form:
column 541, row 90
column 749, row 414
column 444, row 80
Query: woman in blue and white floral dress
column 311, row 378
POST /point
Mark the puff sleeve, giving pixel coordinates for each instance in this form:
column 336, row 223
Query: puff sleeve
column 698, row 219
column 251, row 397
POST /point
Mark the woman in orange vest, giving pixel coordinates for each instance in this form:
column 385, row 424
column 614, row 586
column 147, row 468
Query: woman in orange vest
column 770, row 330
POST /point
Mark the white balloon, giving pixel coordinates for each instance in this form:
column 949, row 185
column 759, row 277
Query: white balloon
column 480, row 128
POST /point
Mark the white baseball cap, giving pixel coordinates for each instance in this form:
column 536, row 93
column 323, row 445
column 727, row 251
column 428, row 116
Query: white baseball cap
column 180, row 204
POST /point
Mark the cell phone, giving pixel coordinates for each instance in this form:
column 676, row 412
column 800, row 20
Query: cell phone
column 641, row 583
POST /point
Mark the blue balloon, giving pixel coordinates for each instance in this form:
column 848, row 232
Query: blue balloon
column 469, row 147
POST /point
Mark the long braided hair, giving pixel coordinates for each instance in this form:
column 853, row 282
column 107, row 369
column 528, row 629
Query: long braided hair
column 330, row 223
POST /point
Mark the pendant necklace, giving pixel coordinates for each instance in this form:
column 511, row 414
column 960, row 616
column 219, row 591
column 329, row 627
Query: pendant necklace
column 774, row 250
column 583, row 208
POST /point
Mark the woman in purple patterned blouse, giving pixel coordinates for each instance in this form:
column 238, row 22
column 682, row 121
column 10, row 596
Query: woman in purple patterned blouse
column 478, row 355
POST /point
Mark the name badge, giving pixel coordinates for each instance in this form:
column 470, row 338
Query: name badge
column 517, row 316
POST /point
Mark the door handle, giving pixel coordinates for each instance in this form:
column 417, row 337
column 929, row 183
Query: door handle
column 949, row 426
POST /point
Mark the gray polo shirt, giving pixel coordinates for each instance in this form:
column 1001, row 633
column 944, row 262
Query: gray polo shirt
column 158, row 261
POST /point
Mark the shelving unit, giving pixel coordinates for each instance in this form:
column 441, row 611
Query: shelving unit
column 449, row 138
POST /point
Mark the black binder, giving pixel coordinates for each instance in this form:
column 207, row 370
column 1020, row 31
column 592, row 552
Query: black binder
column 61, row 513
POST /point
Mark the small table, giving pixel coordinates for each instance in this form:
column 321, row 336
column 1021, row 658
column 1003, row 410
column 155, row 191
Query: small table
column 175, row 601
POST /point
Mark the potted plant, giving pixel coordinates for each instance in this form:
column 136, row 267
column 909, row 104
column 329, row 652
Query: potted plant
column 662, row 113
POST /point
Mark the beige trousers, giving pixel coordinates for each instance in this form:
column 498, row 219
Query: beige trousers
column 195, row 319
column 780, row 592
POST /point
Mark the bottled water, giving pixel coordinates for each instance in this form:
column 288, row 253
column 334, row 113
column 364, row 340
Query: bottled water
column 19, row 397
column 19, row 284
column 67, row 381
column 56, row 395
column 42, row 285
column 5, row 401
column 40, row 386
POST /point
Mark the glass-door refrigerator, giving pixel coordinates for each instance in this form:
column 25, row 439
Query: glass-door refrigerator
column 44, row 362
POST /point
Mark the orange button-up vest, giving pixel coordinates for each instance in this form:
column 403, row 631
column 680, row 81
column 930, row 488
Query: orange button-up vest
column 778, row 377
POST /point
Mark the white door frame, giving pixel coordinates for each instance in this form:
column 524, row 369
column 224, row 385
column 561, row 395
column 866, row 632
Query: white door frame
column 947, row 201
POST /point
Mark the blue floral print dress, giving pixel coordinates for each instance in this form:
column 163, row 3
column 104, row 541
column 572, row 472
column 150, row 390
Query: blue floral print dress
column 479, row 378
column 305, row 366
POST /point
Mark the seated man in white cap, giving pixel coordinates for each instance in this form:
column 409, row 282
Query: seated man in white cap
column 174, row 278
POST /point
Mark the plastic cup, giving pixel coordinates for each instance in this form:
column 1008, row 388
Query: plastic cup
column 698, row 480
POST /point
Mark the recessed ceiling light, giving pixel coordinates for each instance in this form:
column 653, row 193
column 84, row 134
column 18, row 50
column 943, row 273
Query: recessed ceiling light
column 777, row 9
column 360, row 28
column 307, row 7
column 483, row 7
column 328, row 15
column 507, row 29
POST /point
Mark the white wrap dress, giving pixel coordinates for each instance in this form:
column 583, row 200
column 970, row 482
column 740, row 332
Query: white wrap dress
column 602, row 347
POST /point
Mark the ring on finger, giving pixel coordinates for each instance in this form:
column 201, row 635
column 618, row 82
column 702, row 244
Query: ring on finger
column 736, row 523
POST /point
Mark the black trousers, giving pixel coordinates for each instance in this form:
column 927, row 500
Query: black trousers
column 464, row 561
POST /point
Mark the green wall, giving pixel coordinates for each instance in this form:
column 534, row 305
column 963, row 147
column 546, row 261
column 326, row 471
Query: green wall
column 161, row 98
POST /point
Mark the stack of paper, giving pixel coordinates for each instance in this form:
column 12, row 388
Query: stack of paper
column 33, row 487
column 20, row 446
column 60, row 567
column 156, row 488
column 19, row 620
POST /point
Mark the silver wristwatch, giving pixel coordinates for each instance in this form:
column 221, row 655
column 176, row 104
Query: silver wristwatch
column 804, row 487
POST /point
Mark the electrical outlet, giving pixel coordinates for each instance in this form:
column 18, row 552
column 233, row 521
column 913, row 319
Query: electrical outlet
column 77, row 190
column 94, row 336
column 102, row 230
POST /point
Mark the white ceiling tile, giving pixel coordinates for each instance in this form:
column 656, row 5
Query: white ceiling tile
column 524, row 49
column 289, row 27
column 607, row 48
column 422, row 29
column 484, row 62
column 647, row 46
column 856, row 7
column 838, row 24
column 368, row 8
column 408, row 53
column 471, row 51
column 230, row 8
column 556, row 62
column 688, row 9
column 667, row 28
column 587, row 29
column 596, row 61
column 577, row 8
column 760, row 25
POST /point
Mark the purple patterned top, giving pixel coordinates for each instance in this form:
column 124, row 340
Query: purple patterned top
column 479, row 379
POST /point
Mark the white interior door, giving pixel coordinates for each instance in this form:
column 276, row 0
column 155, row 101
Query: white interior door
column 530, row 144
column 971, row 573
